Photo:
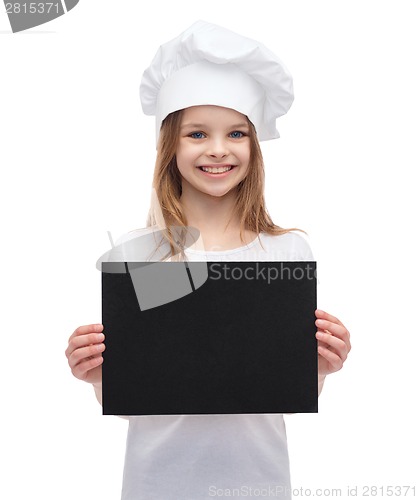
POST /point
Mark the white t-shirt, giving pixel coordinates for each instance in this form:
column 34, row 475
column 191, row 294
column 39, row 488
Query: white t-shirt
column 194, row 457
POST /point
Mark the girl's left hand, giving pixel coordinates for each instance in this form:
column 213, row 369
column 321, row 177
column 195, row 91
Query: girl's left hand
column 333, row 343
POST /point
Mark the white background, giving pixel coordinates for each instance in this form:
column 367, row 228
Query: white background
column 77, row 157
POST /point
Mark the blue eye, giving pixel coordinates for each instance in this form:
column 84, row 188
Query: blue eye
column 197, row 135
column 237, row 134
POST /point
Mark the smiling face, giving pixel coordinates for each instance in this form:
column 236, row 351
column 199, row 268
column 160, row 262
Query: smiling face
column 213, row 151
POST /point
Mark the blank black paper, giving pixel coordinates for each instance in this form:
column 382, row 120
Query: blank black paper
column 231, row 346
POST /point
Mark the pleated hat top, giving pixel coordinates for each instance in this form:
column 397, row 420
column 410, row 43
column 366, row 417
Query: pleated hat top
column 211, row 65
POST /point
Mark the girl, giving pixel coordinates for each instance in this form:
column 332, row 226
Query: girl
column 215, row 94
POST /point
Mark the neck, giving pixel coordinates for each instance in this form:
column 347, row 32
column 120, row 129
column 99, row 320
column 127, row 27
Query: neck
column 210, row 213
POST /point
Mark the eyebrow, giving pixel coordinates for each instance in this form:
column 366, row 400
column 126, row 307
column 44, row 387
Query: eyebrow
column 201, row 125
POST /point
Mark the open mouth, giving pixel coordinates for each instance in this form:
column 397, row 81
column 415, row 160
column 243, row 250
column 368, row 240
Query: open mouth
column 216, row 170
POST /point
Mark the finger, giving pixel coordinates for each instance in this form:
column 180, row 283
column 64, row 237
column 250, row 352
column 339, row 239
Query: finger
column 331, row 357
column 82, row 330
column 324, row 315
column 83, row 353
column 326, row 346
column 322, row 344
column 80, row 371
column 335, row 344
column 336, row 329
column 82, row 341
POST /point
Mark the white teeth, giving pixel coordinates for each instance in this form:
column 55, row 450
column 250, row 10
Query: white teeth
column 213, row 170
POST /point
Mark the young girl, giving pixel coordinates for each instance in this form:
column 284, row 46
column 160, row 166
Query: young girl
column 215, row 94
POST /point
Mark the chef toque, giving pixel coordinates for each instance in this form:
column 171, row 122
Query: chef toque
column 211, row 65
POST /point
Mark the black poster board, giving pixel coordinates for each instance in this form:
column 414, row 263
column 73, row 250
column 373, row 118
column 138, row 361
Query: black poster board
column 240, row 343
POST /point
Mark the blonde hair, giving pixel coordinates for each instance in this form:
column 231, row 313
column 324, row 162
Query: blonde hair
column 166, row 209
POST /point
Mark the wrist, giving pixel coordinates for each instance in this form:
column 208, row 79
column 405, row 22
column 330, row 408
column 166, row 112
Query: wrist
column 97, row 386
column 321, row 379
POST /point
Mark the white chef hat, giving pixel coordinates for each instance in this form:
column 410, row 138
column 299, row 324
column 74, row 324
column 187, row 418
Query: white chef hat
column 211, row 65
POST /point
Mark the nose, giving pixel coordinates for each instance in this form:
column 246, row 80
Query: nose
column 218, row 148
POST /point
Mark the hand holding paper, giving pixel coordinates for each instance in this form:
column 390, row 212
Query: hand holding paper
column 84, row 353
column 333, row 343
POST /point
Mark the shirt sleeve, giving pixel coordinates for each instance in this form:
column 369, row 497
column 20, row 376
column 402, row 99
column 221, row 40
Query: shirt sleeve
column 301, row 249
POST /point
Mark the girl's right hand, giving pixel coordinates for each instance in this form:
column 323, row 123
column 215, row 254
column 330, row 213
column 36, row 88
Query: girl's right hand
column 84, row 353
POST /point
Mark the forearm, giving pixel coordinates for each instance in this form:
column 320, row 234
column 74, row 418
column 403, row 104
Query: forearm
column 321, row 379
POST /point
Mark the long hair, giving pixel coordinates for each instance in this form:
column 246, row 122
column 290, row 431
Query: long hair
column 166, row 210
